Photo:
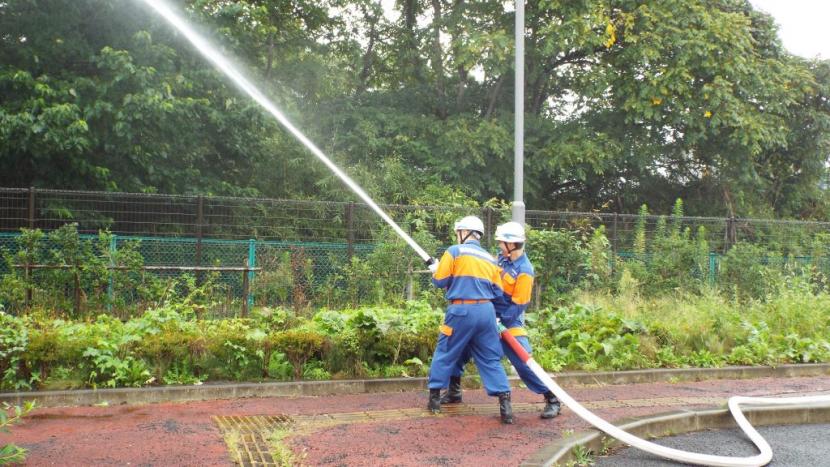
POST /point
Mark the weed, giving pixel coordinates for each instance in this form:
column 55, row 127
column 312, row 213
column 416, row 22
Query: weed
column 281, row 452
column 583, row 456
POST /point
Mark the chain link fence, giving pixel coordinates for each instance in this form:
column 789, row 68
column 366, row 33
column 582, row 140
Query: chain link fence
column 215, row 217
column 305, row 251
column 788, row 237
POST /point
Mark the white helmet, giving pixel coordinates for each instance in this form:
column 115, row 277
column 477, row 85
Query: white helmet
column 470, row 223
column 510, row 232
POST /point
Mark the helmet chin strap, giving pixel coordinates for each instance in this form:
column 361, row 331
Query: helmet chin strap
column 510, row 246
column 466, row 237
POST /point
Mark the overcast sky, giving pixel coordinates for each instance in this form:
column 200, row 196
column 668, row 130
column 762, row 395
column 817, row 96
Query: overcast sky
column 802, row 25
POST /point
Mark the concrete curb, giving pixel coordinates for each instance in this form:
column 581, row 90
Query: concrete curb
column 321, row 388
column 563, row 451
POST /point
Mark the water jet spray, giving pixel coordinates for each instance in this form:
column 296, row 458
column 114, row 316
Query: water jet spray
column 224, row 65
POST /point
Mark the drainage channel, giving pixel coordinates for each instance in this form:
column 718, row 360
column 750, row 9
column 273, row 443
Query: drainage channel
column 793, row 445
column 589, row 444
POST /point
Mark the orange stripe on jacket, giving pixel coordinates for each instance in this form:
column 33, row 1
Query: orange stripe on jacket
column 445, row 267
column 472, row 266
column 508, row 281
column 521, row 289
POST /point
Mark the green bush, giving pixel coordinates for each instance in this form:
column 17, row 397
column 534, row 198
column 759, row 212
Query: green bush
column 274, row 284
column 743, row 273
column 233, row 350
column 672, row 260
column 14, row 338
column 173, row 343
column 78, row 280
column 674, row 265
column 15, row 283
column 299, row 346
column 561, row 261
column 592, row 330
column 383, row 277
column 601, row 260
column 591, row 337
column 364, row 340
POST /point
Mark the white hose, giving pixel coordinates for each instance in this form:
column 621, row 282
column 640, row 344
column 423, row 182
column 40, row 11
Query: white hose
column 675, row 454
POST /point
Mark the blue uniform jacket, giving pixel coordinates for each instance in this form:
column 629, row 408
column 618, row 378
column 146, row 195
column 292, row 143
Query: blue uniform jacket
column 517, row 280
column 468, row 272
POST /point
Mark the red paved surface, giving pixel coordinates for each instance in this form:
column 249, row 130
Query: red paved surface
column 185, row 434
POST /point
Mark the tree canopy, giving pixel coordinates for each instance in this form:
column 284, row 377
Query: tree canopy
column 627, row 101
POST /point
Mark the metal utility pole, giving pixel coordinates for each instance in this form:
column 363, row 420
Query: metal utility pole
column 518, row 151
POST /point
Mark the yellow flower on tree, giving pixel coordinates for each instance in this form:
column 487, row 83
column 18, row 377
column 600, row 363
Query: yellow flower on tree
column 611, row 32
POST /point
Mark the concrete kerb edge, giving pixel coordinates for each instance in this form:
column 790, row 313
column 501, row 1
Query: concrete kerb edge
column 565, row 450
column 319, row 388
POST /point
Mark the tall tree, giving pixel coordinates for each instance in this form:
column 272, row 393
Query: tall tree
column 627, row 101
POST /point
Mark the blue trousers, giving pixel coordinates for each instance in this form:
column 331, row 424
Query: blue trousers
column 525, row 373
column 469, row 328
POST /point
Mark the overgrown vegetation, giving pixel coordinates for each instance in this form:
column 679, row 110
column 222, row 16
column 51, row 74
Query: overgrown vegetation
column 171, row 345
column 81, row 277
column 592, row 330
column 669, row 301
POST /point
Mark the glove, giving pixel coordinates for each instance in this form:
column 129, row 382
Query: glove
column 432, row 265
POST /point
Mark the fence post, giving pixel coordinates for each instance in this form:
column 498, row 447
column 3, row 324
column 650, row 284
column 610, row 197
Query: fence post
column 614, row 235
column 410, row 285
column 32, row 207
column 713, row 258
column 77, row 275
column 349, row 231
column 28, row 270
column 112, row 272
column 730, row 235
column 246, row 289
column 251, row 264
column 200, row 207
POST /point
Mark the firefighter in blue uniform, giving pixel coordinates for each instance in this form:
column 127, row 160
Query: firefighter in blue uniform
column 517, row 279
column 472, row 279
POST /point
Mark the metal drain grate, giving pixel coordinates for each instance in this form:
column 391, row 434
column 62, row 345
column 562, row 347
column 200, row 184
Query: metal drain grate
column 249, row 437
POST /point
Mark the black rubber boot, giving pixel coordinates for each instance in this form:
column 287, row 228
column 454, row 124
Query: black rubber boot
column 552, row 406
column 453, row 394
column 505, row 409
column 434, row 404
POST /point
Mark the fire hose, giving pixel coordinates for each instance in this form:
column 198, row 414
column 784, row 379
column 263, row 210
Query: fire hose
column 734, row 403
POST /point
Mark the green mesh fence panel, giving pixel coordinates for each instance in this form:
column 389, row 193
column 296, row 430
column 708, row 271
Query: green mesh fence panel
column 307, row 273
column 8, row 245
column 305, row 248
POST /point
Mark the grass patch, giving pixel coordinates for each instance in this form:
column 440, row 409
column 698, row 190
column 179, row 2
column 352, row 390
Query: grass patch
column 280, row 451
column 234, row 441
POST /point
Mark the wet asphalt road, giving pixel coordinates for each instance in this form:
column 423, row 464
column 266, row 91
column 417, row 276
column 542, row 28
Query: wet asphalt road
column 795, row 445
